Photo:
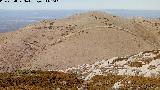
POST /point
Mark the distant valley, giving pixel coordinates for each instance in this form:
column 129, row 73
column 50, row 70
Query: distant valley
column 13, row 20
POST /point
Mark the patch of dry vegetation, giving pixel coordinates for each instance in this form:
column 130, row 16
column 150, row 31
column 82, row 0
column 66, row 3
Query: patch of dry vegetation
column 34, row 80
column 128, row 83
column 141, row 83
column 52, row 80
column 103, row 82
column 136, row 64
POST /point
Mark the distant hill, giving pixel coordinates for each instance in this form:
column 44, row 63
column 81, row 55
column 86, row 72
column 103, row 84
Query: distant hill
column 11, row 20
column 78, row 39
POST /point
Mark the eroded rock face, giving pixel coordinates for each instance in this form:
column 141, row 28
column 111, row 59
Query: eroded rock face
column 145, row 64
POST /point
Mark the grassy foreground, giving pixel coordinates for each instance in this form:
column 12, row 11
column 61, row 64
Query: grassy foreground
column 45, row 80
column 38, row 80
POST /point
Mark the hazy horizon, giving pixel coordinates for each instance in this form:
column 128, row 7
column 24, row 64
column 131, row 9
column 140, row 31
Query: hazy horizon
column 78, row 9
column 12, row 20
column 83, row 5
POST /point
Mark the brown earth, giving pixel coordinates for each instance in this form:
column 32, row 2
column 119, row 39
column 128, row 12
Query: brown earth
column 78, row 39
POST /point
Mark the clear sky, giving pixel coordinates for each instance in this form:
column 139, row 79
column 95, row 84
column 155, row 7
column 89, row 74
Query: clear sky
column 84, row 4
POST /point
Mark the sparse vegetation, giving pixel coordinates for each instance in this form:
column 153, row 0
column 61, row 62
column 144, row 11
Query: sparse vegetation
column 141, row 83
column 103, row 82
column 135, row 64
column 128, row 83
column 52, row 80
column 152, row 67
column 32, row 80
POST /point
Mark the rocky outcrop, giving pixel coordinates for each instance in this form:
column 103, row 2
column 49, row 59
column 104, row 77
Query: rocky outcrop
column 146, row 64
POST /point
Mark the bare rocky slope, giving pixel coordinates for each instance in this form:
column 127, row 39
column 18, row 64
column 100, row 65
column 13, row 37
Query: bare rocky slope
column 135, row 72
column 145, row 64
column 79, row 39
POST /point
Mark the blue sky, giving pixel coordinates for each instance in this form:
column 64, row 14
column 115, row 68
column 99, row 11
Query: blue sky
column 85, row 4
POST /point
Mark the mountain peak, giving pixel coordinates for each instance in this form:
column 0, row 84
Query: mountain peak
column 78, row 39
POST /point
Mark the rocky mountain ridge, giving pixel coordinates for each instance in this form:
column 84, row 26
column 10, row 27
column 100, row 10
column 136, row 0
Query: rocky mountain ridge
column 79, row 39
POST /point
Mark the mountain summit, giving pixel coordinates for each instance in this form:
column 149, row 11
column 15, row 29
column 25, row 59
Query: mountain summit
column 78, row 39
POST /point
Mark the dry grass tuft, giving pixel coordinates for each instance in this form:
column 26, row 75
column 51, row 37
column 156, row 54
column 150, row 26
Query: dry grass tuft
column 135, row 64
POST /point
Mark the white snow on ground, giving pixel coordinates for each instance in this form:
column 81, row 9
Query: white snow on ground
column 149, row 66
